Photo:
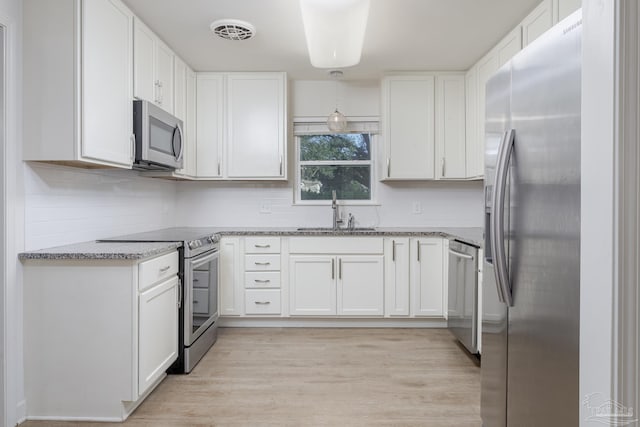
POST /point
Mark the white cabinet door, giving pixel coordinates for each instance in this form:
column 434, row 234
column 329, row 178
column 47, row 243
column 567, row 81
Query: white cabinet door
column 565, row 8
column 153, row 68
column 158, row 332
column 256, row 125
column 312, row 285
column 209, row 124
column 537, row 22
column 396, row 282
column 427, row 277
column 144, row 86
column 360, row 287
column 450, row 127
column 408, row 104
column 230, row 281
column 486, row 67
column 107, row 42
column 164, row 76
column 180, row 89
column 509, row 46
column 471, row 123
column 190, row 124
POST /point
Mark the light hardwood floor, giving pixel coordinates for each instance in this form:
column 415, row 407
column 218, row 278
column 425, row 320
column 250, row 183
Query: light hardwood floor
column 319, row 377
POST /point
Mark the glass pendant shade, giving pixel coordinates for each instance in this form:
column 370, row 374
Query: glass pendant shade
column 334, row 30
column 337, row 122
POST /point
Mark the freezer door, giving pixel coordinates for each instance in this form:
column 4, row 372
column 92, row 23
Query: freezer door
column 494, row 353
column 544, row 230
column 494, row 311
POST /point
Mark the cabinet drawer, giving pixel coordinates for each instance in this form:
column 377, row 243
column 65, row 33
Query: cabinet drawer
column 262, row 245
column 262, row 301
column 157, row 269
column 262, row 262
column 201, row 301
column 262, row 279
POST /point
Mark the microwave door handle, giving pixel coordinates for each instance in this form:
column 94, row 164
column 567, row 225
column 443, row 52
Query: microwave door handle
column 179, row 132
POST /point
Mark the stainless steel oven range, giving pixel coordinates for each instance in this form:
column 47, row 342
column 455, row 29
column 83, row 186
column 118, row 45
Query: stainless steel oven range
column 198, row 328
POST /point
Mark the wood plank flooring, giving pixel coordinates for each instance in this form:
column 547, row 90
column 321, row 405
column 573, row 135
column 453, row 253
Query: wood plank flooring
column 319, row 377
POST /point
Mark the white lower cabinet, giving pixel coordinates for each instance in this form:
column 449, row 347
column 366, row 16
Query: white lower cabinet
column 360, row 287
column 158, row 332
column 396, row 277
column 312, row 285
column 426, row 271
column 230, row 282
column 98, row 335
column 332, row 276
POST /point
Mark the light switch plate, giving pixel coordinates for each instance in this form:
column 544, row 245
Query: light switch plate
column 265, row 207
column 417, row 208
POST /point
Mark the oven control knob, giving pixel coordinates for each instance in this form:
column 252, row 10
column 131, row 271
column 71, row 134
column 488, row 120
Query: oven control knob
column 194, row 244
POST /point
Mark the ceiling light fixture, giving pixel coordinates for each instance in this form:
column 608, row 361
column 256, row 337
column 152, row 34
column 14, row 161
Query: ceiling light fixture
column 335, row 31
column 336, row 122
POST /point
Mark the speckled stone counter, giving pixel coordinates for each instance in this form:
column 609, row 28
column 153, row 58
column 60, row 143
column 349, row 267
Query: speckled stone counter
column 102, row 250
column 471, row 235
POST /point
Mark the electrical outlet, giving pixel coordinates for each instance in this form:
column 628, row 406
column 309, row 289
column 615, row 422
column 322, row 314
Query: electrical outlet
column 417, row 208
column 265, row 207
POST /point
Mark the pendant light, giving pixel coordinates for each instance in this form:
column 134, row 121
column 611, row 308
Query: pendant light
column 336, row 122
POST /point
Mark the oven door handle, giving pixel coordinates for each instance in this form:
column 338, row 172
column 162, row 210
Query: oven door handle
column 199, row 260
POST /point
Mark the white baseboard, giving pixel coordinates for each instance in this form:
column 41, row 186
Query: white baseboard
column 252, row 322
column 21, row 411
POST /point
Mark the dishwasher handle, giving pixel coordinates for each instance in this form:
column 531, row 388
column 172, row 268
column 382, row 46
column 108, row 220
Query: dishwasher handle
column 460, row 254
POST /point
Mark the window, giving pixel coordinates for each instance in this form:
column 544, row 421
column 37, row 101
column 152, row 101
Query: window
column 340, row 162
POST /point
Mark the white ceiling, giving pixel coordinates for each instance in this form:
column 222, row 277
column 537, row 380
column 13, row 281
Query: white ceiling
column 401, row 34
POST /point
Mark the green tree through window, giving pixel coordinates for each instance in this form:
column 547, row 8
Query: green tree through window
column 340, row 162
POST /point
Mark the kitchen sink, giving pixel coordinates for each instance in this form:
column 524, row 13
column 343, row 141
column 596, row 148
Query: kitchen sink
column 343, row 230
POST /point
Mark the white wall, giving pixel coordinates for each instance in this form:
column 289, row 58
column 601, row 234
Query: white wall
column 67, row 205
column 233, row 204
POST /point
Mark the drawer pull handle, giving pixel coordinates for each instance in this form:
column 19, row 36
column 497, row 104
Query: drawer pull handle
column 262, row 263
column 165, row 269
column 262, row 281
column 262, row 246
column 263, row 302
column 195, row 301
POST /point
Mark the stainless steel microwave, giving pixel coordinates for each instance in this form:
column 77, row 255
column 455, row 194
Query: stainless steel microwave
column 158, row 138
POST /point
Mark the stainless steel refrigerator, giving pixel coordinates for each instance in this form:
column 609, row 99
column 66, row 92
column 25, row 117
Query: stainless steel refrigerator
column 531, row 280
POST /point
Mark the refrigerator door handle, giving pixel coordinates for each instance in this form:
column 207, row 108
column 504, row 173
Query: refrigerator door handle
column 499, row 253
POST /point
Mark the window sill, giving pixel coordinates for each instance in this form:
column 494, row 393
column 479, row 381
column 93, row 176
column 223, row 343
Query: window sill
column 340, row 203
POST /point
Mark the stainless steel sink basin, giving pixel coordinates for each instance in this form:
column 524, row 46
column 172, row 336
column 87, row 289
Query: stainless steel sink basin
column 342, row 230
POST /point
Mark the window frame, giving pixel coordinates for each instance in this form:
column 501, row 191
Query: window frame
column 297, row 198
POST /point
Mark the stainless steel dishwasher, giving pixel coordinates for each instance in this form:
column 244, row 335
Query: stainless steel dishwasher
column 462, row 310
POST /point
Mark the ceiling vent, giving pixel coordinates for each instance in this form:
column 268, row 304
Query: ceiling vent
column 233, row 29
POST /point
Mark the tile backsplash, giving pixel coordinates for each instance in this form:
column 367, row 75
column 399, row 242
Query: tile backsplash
column 67, row 205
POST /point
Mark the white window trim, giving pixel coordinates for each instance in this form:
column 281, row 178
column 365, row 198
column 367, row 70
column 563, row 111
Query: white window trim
column 297, row 201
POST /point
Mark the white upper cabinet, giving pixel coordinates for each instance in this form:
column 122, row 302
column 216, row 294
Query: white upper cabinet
column 256, row 125
column 564, row 8
column 450, row 127
column 241, row 126
column 472, row 119
column 209, row 124
column 180, row 89
column 537, row 22
column 82, row 48
column 153, row 68
column 190, row 124
column 408, row 104
column 509, row 46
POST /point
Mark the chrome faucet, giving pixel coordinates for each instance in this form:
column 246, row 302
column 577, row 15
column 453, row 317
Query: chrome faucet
column 336, row 213
column 351, row 223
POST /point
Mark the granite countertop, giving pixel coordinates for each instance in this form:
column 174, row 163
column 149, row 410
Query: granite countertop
column 141, row 250
column 102, row 250
column 471, row 235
